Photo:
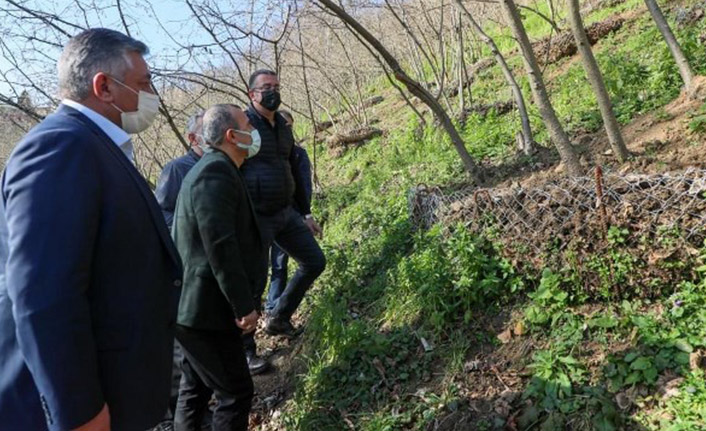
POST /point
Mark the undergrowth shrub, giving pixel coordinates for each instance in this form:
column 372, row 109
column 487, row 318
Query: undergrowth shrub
column 446, row 277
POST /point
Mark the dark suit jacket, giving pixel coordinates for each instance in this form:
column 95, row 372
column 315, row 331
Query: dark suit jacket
column 216, row 233
column 169, row 183
column 89, row 283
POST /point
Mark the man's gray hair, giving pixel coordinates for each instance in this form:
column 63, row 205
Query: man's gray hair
column 216, row 120
column 192, row 124
column 92, row 51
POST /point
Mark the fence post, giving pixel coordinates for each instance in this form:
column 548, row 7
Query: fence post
column 599, row 202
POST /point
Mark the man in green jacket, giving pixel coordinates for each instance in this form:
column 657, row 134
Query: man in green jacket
column 216, row 233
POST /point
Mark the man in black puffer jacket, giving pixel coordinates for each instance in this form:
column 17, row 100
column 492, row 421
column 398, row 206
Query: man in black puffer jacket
column 274, row 186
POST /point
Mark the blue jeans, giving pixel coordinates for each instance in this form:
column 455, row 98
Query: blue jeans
column 278, row 279
column 286, row 228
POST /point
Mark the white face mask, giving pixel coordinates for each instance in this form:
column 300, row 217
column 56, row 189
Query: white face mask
column 253, row 148
column 147, row 109
column 201, row 142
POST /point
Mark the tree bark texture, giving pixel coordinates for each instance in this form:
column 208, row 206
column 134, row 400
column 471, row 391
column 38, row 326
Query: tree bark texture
column 539, row 91
column 528, row 140
column 595, row 78
column 685, row 71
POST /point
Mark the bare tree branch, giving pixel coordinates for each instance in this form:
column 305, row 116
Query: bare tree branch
column 25, row 109
column 122, row 18
column 47, row 18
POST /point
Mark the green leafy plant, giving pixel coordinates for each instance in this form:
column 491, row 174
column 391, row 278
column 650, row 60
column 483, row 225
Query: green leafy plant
column 662, row 115
column 446, row 277
column 547, row 301
column 616, row 235
column 686, row 411
column 554, row 374
column 697, row 124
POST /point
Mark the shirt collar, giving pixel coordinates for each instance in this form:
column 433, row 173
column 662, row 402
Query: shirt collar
column 115, row 133
column 263, row 118
column 193, row 154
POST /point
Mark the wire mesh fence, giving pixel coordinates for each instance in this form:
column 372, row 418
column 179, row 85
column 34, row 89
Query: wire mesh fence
column 660, row 218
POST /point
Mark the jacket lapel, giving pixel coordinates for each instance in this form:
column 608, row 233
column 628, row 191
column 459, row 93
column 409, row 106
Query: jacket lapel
column 140, row 183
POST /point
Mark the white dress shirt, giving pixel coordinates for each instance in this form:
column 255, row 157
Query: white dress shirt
column 115, row 133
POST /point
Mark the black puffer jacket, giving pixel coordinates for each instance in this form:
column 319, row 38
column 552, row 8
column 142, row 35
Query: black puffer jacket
column 270, row 175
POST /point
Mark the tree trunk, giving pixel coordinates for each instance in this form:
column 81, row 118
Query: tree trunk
column 413, row 87
column 539, row 91
column 528, row 140
column 684, row 69
column 460, row 63
column 593, row 73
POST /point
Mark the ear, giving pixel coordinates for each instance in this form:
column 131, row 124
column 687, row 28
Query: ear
column 251, row 95
column 230, row 134
column 101, row 88
column 191, row 137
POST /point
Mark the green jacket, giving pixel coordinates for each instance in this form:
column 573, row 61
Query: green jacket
column 217, row 236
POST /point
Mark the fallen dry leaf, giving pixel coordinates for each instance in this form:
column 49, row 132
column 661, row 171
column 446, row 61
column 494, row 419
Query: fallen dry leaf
column 520, row 328
column 505, row 336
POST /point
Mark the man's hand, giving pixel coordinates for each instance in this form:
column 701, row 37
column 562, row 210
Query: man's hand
column 99, row 423
column 313, row 227
column 248, row 323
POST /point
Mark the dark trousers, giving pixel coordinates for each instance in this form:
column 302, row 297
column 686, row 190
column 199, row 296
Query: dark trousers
column 214, row 363
column 287, row 230
column 278, row 278
column 177, row 357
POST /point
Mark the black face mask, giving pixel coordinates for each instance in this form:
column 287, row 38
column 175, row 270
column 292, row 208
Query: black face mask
column 270, row 100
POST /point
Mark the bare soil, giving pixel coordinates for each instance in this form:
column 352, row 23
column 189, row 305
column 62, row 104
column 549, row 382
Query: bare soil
column 274, row 386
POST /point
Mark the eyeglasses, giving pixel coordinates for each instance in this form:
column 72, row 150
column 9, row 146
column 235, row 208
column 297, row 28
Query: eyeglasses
column 268, row 88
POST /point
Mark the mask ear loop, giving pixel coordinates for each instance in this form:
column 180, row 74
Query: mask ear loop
column 243, row 132
column 122, row 84
column 127, row 86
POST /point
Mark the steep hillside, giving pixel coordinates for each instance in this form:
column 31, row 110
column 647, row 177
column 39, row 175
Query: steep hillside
column 416, row 329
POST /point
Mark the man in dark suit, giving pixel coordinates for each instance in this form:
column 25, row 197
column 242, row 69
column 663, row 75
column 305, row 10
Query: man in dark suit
column 90, row 279
column 216, row 232
column 169, row 182
column 166, row 192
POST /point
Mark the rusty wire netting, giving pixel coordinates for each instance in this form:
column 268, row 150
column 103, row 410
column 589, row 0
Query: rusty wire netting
column 562, row 211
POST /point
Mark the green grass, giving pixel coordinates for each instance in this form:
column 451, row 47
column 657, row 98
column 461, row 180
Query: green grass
column 607, row 12
column 388, row 284
column 685, row 411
